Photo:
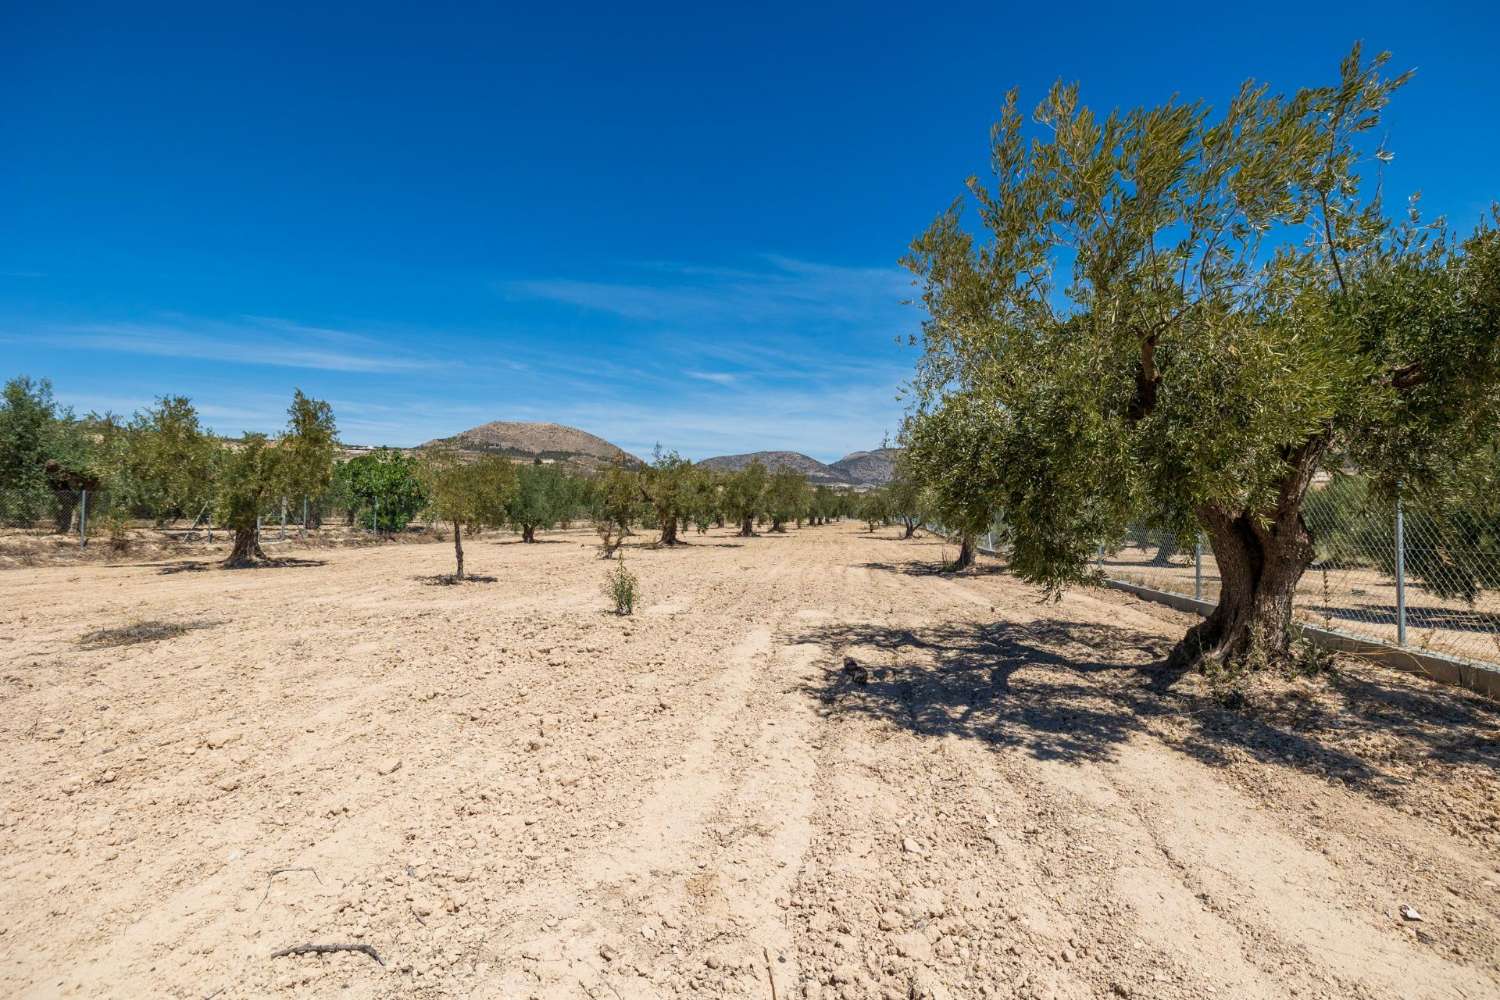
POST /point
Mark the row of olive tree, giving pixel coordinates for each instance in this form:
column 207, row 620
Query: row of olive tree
column 1187, row 314
column 162, row 463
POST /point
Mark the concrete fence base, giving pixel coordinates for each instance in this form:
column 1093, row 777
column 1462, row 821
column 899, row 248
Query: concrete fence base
column 1436, row 666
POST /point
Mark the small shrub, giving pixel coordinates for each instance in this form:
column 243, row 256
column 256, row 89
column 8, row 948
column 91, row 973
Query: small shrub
column 1308, row 659
column 622, row 587
column 116, row 530
column 1227, row 683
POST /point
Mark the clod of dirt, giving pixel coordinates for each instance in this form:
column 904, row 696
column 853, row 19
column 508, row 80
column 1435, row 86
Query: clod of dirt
column 1409, row 912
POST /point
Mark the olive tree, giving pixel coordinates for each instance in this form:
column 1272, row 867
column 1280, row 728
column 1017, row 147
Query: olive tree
column 952, row 452
column 786, row 498
column 704, row 500
column 1189, row 310
column 666, row 487
column 744, row 496
column 904, row 496
column 310, row 444
column 250, row 479
column 46, row 455
column 538, row 501
column 466, row 494
column 872, row 509
column 614, row 505
column 256, row 472
column 170, row 460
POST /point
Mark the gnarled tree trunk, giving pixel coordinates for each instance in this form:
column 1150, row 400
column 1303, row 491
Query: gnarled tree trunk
column 965, row 553
column 1260, row 560
column 458, row 550
column 1164, row 552
column 668, row 531
column 528, row 532
column 911, row 527
column 246, row 551
column 778, row 525
column 747, row 527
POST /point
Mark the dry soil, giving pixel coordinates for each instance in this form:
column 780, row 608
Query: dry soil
column 506, row 791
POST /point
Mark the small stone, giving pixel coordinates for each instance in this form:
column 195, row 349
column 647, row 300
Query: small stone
column 845, row 974
column 389, row 765
column 712, row 961
column 911, row 846
column 914, row 946
column 534, row 745
column 608, row 953
column 228, row 784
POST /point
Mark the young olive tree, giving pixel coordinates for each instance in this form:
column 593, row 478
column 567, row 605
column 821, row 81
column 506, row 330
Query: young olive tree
column 1235, row 308
column 468, row 495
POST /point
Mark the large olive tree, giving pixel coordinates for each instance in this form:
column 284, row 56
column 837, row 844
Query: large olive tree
column 1189, row 310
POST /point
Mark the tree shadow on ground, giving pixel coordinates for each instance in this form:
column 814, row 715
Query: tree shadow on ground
column 200, row 566
column 449, row 580
column 1074, row 692
column 915, row 568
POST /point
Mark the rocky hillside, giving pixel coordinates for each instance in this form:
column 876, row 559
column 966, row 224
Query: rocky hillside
column 549, row 442
column 816, row 472
column 868, row 468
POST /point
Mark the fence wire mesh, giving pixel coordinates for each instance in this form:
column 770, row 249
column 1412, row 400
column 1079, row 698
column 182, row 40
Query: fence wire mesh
column 33, row 520
column 1399, row 576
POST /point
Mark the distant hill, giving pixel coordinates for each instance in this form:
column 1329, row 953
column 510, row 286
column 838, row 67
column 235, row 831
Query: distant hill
column 816, row 472
column 868, row 468
column 549, row 442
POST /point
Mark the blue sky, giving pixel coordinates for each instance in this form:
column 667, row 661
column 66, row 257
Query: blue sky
column 676, row 224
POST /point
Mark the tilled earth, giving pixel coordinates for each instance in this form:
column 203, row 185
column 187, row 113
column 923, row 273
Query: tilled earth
column 505, row 791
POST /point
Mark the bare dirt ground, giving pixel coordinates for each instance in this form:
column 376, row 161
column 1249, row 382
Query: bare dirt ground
column 507, row 792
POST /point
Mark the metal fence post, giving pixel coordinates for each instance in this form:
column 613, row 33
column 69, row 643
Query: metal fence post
column 1198, row 567
column 303, row 533
column 83, row 519
column 1400, row 572
column 282, row 538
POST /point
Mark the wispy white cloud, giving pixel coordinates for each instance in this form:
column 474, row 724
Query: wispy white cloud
column 721, row 378
column 248, row 341
column 784, row 294
column 781, row 354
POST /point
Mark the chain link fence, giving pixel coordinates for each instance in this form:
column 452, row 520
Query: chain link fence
column 1401, row 577
column 42, row 517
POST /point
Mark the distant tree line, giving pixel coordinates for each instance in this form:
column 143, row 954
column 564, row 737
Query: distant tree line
column 163, row 465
